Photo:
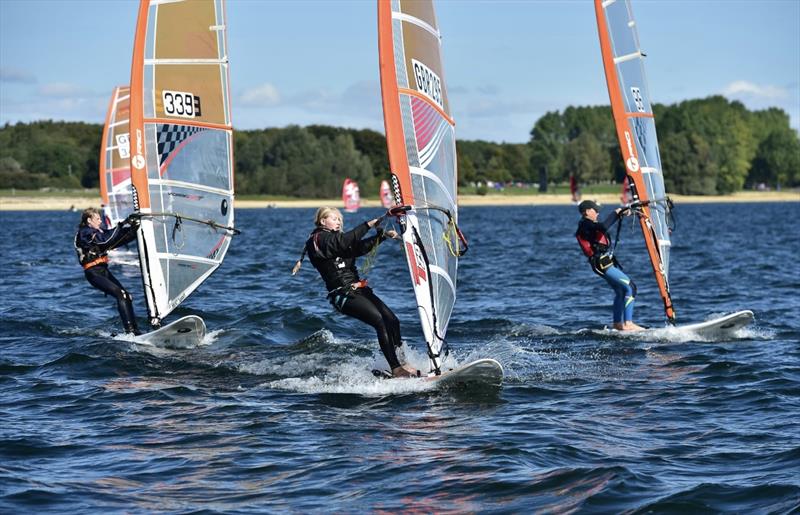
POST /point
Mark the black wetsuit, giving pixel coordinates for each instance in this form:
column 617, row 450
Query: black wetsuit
column 92, row 246
column 333, row 254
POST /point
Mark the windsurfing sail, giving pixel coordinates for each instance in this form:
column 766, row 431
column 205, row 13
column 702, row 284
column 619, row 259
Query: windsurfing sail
column 182, row 147
column 420, row 135
column 623, row 61
column 386, row 195
column 115, row 169
column 351, row 195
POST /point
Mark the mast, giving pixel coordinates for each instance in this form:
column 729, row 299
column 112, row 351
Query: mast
column 623, row 62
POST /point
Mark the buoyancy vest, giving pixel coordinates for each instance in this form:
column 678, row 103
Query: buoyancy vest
column 89, row 253
column 92, row 245
column 595, row 244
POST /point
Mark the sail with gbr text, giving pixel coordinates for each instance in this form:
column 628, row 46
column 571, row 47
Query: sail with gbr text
column 420, row 135
column 115, row 171
column 181, row 147
column 623, row 61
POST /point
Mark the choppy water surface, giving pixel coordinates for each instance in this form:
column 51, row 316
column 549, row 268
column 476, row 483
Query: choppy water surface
column 278, row 411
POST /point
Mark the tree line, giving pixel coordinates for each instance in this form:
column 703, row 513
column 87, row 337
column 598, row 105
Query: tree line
column 708, row 146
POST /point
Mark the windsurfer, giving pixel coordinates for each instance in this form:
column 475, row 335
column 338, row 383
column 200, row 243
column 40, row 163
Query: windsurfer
column 92, row 244
column 333, row 253
column 596, row 245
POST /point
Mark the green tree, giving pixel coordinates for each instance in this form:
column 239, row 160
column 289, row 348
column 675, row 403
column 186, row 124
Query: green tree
column 586, row 159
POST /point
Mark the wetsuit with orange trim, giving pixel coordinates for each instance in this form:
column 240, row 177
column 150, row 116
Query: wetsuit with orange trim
column 333, row 254
column 596, row 245
column 92, row 246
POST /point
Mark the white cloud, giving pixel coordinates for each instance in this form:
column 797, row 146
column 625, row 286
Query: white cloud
column 744, row 88
column 16, row 75
column 265, row 95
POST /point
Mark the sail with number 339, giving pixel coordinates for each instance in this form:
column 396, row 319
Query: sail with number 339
column 181, row 147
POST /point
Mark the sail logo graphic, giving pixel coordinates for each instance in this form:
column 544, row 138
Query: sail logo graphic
column 123, row 145
column 417, row 270
column 181, row 104
column 138, row 159
column 632, row 163
column 428, row 83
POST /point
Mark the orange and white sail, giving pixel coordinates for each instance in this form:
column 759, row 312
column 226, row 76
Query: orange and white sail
column 181, row 147
column 623, row 61
column 385, row 194
column 420, row 135
column 351, row 195
column 115, row 170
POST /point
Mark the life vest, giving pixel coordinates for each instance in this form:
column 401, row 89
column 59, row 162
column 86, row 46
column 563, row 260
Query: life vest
column 595, row 245
column 593, row 240
column 90, row 256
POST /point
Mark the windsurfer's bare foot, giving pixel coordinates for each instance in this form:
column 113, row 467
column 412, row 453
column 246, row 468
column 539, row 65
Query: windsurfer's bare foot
column 630, row 326
column 405, row 371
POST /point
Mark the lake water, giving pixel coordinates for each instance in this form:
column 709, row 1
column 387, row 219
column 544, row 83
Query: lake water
column 277, row 410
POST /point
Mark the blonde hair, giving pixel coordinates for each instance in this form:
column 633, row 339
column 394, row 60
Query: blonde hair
column 323, row 212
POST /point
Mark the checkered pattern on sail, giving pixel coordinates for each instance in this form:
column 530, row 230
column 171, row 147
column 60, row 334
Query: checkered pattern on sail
column 171, row 135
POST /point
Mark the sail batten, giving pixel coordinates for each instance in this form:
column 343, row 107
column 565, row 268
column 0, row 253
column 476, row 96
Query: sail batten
column 182, row 156
column 623, row 62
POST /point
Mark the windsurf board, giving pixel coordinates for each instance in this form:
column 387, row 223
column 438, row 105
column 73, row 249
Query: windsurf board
column 184, row 333
column 722, row 325
column 481, row 371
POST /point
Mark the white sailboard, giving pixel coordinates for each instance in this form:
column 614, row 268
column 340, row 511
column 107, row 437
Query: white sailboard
column 420, row 136
column 184, row 333
column 181, row 155
column 720, row 326
column 623, row 62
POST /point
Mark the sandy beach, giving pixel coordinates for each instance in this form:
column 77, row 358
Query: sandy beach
column 22, row 202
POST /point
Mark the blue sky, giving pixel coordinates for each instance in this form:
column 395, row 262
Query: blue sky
column 506, row 62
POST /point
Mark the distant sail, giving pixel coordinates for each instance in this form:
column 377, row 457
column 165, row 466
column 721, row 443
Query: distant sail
column 182, row 147
column 115, row 169
column 351, row 196
column 387, row 200
column 625, row 196
column 623, row 61
column 574, row 189
column 420, row 134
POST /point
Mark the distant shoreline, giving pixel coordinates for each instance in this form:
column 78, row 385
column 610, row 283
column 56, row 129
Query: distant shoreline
column 63, row 203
